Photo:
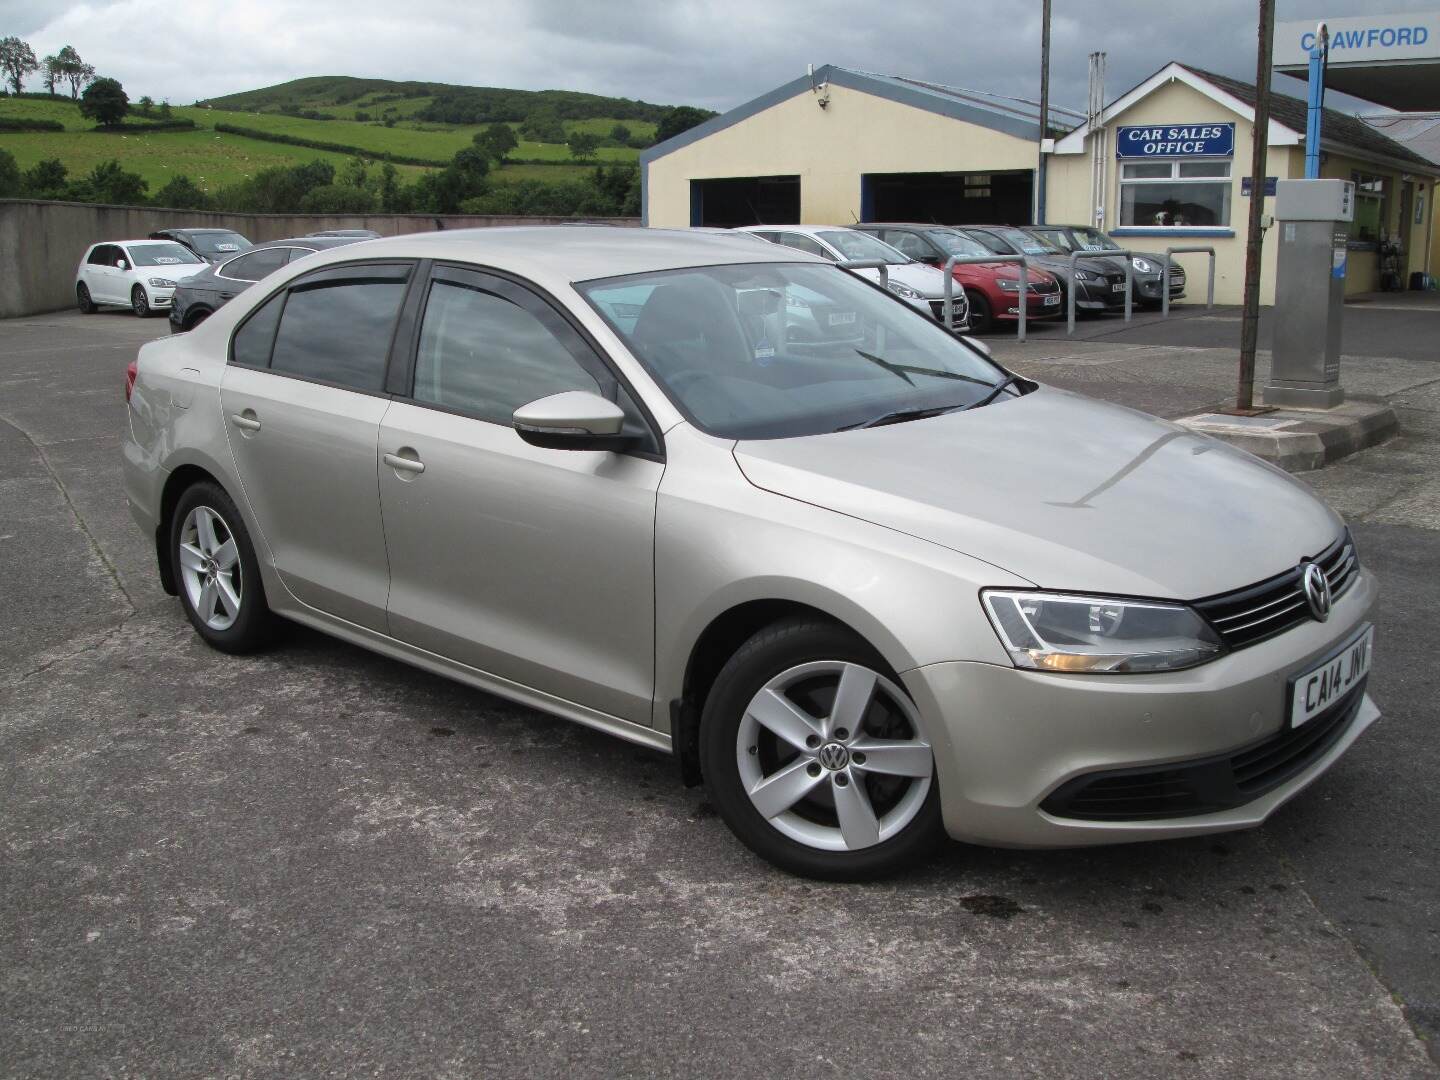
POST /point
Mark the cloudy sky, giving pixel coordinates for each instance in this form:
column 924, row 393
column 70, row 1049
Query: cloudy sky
column 716, row 54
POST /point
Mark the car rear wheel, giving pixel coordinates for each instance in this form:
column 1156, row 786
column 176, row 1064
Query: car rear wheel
column 215, row 566
column 196, row 319
column 981, row 317
column 82, row 299
column 816, row 758
column 139, row 302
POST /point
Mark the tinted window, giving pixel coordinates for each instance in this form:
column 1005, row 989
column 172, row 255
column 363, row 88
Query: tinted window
column 487, row 356
column 336, row 328
column 801, row 242
column 101, row 256
column 251, row 346
column 257, row 264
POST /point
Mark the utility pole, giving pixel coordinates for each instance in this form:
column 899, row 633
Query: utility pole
column 1044, row 111
column 1260, row 138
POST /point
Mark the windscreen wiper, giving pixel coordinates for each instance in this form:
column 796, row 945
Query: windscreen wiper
column 899, row 416
column 995, row 391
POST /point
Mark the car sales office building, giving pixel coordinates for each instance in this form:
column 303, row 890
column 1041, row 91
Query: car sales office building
column 1166, row 164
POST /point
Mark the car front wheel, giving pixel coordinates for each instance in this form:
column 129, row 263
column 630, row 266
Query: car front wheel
column 216, row 569
column 980, row 316
column 816, row 757
column 139, row 302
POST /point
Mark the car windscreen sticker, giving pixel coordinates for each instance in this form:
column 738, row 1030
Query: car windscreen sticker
column 166, row 259
column 227, row 247
column 764, row 352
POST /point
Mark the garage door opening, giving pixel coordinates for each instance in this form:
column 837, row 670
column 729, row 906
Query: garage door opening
column 746, row 200
column 993, row 198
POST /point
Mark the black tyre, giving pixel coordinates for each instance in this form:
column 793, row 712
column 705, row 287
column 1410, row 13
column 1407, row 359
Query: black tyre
column 814, row 755
column 192, row 321
column 139, row 302
column 215, row 568
column 83, row 301
column 981, row 317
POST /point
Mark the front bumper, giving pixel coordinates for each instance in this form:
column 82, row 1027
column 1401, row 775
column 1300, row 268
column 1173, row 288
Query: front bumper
column 1005, row 739
column 159, row 299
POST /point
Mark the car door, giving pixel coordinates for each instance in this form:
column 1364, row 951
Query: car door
column 533, row 565
column 92, row 271
column 302, row 397
column 108, row 280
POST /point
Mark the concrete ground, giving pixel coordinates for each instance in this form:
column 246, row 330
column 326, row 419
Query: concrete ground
column 318, row 862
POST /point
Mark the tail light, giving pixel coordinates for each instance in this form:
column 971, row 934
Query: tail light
column 131, row 371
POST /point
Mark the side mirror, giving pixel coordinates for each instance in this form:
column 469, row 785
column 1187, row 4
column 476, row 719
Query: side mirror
column 574, row 420
column 121, row 264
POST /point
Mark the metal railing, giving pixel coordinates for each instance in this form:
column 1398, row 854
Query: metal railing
column 870, row 264
column 968, row 260
column 1122, row 254
column 1165, row 276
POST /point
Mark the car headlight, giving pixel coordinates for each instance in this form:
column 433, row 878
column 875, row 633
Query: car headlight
column 162, row 283
column 1007, row 286
column 1083, row 275
column 1097, row 635
column 1143, row 265
column 903, row 291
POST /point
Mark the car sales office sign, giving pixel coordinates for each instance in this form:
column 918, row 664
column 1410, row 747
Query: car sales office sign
column 1175, row 141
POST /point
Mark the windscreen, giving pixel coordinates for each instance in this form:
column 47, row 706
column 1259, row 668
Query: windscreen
column 1095, row 240
column 779, row 350
column 219, row 243
column 1030, row 245
column 859, row 245
column 954, row 243
column 162, row 253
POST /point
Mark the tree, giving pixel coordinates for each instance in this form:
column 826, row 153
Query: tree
column 543, row 125
column 109, row 183
column 105, row 101
column 165, row 112
column 391, row 200
column 53, row 73
column 44, row 180
column 582, row 145
column 146, row 104
column 73, row 70
column 182, row 193
column 681, row 118
column 338, row 199
column 620, row 135
column 17, row 62
column 496, row 141
column 9, row 175
column 355, row 173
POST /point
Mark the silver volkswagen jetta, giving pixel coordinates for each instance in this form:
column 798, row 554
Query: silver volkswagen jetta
column 872, row 590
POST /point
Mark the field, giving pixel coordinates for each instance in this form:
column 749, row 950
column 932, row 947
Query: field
column 216, row 159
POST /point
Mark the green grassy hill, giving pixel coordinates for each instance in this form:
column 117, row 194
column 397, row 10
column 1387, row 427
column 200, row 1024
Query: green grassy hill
column 215, row 159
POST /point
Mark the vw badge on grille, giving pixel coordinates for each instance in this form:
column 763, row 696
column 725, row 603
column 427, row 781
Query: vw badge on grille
column 1317, row 590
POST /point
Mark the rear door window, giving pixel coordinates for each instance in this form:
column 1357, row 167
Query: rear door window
column 252, row 342
column 257, row 264
column 801, row 242
column 337, row 324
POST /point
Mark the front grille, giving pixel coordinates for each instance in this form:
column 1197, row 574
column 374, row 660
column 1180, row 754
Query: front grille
column 1115, row 278
column 1250, row 615
column 1042, row 288
column 1204, row 785
column 962, row 310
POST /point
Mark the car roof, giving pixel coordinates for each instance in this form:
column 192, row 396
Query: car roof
column 137, row 240
column 924, row 226
column 569, row 252
column 195, row 232
column 808, row 230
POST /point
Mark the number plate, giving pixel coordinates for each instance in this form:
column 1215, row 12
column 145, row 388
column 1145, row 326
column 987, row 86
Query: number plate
column 842, row 318
column 1118, row 288
column 1052, row 301
column 1325, row 684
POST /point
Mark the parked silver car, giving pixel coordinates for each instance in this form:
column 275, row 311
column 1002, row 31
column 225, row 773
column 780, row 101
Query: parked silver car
column 871, row 593
column 920, row 286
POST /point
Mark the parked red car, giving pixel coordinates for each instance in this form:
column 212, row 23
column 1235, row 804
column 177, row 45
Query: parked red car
column 992, row 288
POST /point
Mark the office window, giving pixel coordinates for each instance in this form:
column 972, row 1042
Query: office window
column 1175, row 194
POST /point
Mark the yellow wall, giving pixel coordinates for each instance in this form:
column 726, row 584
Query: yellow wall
column 829, row 149
column 1068, row 193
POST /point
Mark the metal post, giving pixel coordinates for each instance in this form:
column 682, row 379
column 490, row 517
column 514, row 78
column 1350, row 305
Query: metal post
column 1316, row 103
column 1165, row 277
column 1260, row 139
column 1070, row 297
column 973, row 260
column 1044, row 112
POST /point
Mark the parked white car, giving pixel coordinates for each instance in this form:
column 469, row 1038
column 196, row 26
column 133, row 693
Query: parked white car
column 918, row 285
column 138, row 274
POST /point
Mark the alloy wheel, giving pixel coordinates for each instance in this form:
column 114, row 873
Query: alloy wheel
column 139, row 302
column 831, row 754
column 210, row 568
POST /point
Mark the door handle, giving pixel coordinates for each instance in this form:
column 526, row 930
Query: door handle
column 404, row 464
column 246, row 421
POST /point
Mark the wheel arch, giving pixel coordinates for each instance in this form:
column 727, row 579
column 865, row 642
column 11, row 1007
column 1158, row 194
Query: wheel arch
column 177, row 483
column 721, row 636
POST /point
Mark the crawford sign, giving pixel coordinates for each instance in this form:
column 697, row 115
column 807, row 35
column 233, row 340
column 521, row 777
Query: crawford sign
column 1364, row 39
column 1175, row 140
